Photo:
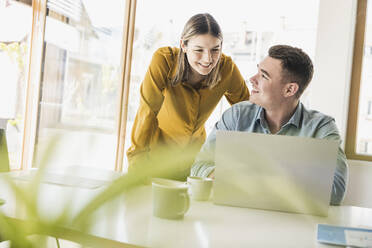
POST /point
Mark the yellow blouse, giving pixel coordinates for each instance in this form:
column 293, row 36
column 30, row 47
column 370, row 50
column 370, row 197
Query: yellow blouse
column 175, row 115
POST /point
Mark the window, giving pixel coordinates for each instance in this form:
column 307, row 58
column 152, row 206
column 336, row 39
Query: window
column 80, row 88
column 248, row 33
column 359, row 130
column 80, row 84
column 369, row 109
column 15, row 30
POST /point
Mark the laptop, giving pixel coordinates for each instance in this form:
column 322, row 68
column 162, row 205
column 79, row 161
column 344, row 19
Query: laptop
column 274, row 172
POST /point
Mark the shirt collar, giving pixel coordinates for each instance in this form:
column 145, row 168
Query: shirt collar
column 260, row 119
column 260, row 114
column 294, row 120
column 296, row 117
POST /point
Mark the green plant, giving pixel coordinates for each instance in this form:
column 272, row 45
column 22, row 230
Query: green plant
column 165, row 162
column 16, row 52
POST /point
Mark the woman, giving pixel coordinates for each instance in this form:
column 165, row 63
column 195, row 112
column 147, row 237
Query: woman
column 180, row 90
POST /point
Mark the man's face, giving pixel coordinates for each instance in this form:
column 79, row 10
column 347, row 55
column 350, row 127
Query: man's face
column 267, row 86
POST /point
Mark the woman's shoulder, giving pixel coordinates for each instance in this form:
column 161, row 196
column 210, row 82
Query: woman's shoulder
column 164, row 61
column 165, row 57
column 170, row 53
column 228, row 68
column 226, row 60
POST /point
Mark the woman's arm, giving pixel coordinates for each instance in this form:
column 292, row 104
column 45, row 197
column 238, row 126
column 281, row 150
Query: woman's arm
column 204, row 164
column 238, row 90
column 145, row 127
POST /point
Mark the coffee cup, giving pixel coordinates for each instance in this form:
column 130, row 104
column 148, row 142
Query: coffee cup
column 170, row 198
column 200, row 188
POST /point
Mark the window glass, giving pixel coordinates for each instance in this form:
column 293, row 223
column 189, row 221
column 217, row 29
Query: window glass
column 364, row 123
column 249, row 28
column 15, row 30
column 80, row 82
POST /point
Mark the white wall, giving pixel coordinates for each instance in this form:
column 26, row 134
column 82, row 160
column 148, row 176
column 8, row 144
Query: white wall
column 329, row 92
column 359, row 191
column 330, row 88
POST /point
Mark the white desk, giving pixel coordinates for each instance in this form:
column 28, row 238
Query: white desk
column 129, row 220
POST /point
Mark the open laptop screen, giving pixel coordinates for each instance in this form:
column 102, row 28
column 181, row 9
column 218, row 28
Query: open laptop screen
column 274, row 172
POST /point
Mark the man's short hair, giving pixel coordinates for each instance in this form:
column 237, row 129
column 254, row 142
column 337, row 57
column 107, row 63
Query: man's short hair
column 296, row 65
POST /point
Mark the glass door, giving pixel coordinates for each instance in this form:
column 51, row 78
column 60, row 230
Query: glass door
column 15, row 30
column 80, row 84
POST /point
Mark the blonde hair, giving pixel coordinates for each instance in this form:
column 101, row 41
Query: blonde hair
column 197, row 25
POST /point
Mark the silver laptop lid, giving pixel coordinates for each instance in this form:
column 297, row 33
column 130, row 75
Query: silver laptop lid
column 274, row 172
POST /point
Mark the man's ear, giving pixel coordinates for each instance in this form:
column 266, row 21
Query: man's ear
column 291, row 89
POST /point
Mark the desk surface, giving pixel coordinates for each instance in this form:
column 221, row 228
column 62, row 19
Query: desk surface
column 129, row 220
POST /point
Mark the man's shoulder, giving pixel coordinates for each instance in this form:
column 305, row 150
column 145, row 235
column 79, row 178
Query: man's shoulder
column 319, row 125
column 245, row 109
column 246, row 106
column 311, row 116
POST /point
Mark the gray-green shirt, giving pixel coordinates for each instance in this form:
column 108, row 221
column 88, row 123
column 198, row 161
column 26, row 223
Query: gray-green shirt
column 249, row 117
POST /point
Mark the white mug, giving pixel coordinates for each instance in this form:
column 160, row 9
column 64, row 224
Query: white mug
column 170, row 198
column 200, row 188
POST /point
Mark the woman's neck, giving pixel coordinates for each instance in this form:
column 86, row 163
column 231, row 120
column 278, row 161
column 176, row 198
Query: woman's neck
column 195, row 78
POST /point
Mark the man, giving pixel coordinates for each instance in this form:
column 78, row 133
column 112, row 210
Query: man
column 274, row 108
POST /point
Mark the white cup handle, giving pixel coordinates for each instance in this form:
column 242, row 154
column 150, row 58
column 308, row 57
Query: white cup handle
column 187, row 202
column 189, row 188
